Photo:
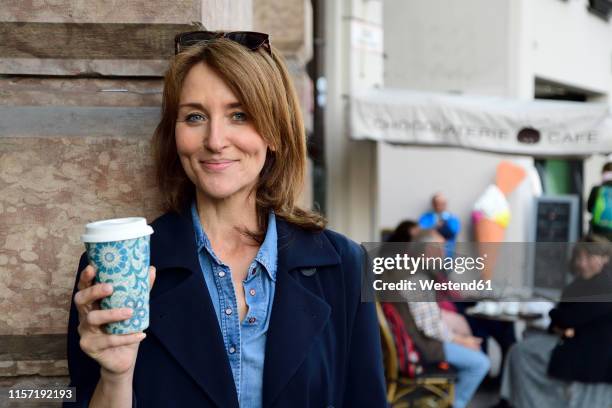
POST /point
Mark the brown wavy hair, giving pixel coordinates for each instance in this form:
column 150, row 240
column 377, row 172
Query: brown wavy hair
column 262, row 85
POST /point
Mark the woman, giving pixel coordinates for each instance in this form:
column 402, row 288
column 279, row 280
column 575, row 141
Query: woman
column 572, row 366
column 255, row 303
column 405, row 231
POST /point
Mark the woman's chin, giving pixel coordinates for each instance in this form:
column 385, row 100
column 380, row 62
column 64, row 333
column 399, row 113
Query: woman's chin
column 219, row 193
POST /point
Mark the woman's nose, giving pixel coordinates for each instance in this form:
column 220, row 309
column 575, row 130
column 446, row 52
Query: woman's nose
column 216, row 136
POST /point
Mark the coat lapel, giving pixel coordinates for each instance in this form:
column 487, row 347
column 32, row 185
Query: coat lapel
column 298, row 315
column 182, row 315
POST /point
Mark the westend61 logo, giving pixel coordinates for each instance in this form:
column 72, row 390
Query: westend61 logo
column 413, row 264
column 421, row 272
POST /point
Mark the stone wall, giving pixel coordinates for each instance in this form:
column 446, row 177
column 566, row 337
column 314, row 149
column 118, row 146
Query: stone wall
column 80, row 90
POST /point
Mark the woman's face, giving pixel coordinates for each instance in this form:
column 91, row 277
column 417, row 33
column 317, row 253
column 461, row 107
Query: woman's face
column 588, row 265
column 219, row 148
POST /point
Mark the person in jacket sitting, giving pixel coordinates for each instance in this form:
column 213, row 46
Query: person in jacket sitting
column 571, row 366
column 456, row 345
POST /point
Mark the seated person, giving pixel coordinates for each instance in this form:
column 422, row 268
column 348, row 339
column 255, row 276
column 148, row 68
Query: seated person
column 407, row 231
column 571, row 365
column 461, row 350
column 444, row 222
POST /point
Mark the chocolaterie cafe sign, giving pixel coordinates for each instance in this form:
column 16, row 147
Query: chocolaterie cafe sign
column 503, row 125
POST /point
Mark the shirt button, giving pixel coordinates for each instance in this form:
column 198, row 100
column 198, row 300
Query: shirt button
column 252, row 320
column 221, row 274
column 232, row 350
column 228, row 311
column 252, row 292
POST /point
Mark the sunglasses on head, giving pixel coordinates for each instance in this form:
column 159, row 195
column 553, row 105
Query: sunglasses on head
column 249, row 39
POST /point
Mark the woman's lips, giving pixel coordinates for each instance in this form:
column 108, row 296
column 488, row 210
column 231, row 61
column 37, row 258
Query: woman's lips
column 216, row 165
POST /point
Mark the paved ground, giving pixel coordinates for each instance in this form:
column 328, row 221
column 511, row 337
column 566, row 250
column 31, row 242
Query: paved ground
column 485, row 398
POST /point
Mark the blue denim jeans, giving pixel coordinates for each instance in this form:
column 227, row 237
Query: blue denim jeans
column 471, row 366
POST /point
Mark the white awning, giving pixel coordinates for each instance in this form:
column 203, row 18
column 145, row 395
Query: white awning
column 533, row 127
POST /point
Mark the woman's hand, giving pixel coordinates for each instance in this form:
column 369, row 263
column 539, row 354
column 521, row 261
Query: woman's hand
column 567, row 333
column 470, row 342
column 115, row 353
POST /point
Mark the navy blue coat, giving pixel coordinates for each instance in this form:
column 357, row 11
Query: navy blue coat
column 323, row 346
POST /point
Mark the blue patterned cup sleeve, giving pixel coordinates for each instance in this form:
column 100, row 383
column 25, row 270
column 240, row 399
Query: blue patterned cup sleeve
column 125, row 265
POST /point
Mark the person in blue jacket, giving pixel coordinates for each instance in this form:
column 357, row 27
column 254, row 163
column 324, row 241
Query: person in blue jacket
column 443, row 221
column 254, row 303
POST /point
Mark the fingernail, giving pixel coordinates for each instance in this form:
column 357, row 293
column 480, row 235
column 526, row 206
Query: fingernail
column 128, row 312
column 108, row 287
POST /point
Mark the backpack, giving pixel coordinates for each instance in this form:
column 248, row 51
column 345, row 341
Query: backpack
column 602, row 209
column 407, row 355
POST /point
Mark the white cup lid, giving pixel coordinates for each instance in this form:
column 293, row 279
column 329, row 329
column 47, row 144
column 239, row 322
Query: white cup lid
column 116, row 229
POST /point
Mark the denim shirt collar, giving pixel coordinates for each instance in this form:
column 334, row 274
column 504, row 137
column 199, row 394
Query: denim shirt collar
column 268, row 251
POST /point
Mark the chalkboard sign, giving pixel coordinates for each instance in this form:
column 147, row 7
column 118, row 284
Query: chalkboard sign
column 555, row 228
column 553, row 221
column 556, row 219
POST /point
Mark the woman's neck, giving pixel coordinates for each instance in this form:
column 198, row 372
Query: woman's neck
column 225, row 220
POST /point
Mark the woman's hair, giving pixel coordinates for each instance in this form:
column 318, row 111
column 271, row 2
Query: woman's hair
column 262, row 85
column 606, row 167
column 402, row 232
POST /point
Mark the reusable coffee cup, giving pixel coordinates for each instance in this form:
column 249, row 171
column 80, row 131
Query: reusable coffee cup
column 119, row 249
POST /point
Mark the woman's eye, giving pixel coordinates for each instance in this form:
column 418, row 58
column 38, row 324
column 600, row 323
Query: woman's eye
column 239, row 116
column 194, row 118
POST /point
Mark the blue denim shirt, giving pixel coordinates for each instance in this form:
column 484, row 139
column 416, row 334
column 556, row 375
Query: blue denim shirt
column 245, row 341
